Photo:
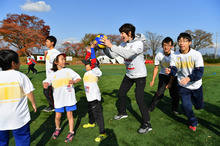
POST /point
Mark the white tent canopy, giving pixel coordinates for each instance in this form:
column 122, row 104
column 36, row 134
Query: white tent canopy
column 106, row 60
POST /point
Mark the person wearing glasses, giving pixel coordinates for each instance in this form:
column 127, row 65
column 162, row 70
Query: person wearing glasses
column 165, row 81
column 189, row 66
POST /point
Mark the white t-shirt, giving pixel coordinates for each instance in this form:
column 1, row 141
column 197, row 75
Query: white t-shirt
column 90, row 81
column 14, row 86
column 49, row 64
column 163, row 60
column 185, row 64
column 63, row 95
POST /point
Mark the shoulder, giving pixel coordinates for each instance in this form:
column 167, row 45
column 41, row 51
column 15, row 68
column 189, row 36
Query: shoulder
column 55, row 51
column 194, row 53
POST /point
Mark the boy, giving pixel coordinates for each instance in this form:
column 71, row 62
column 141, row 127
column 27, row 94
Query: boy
column 50, row 43
column 131, row 49
column 93, row 94
column 189, row 66
column 165, row 81
column 15, row 88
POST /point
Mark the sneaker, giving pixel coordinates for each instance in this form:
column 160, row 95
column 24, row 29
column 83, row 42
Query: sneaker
column 56, row 133
column 69, row 137
column 101, row 137
column 176, row 113
column 193, row 128
column 144, row 128
column 120, row 116
column 48, row 109
column 88, row 125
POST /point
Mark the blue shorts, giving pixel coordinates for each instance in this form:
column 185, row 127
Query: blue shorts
column 21, row 135
column 68, row 108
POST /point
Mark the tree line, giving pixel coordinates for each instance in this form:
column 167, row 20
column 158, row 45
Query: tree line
column 26, row 32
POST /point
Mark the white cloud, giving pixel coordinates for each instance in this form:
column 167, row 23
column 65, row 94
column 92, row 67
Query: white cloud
column 71, row 40
column 39, row 6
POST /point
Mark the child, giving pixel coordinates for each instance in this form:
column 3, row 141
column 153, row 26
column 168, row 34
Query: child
column 15, row 88
column 163, row 59
column 189, row 66
column 64, row 94
column 93, row 94
column 31, row 63
column 132, row 50
column 50, row 43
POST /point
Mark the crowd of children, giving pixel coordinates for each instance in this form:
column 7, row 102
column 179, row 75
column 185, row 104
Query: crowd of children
column 180, row 71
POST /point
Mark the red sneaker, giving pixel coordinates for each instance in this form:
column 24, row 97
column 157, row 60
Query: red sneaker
column 193, row 128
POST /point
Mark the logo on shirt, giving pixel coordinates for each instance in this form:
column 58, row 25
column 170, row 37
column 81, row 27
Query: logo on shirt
column 87, row 89
column 67, row 74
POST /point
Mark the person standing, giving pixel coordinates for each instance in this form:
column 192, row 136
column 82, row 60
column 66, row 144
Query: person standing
column 165, row 82
column 189, row 66
column 131, row 49
column 15, row 90
column 93, row 95
column 48, row 92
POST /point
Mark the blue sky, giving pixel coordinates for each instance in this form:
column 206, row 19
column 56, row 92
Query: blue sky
column 71, row 20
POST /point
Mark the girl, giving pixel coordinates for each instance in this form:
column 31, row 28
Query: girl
column 62, row 80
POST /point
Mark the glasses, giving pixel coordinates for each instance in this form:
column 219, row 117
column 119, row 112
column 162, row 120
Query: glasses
column 184, row 41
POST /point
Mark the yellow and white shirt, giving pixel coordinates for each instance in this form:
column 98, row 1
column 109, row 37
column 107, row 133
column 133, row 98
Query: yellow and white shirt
column 90, row 81
column 14, row 86
column 63, row 93
column 49, row 64
column 185, row 64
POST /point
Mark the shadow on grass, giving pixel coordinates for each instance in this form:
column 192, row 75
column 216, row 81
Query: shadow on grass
column 129, row 107
column 111, row 140
column 165, row 106
column 211, row 108
column 80, row 112
column 46, row 129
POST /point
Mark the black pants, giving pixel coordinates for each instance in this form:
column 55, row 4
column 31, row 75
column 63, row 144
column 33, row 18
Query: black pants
column 174, row 94
column 49, row 96
column 139, row 94
column 95, row 112
column 31, row 67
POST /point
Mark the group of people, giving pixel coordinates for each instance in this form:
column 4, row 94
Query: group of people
column 181, row 72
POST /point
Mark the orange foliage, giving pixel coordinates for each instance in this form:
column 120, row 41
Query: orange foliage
column 24, row 32
column 74, row 48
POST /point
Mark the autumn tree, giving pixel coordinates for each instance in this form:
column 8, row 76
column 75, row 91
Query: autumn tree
column 88, row 38
column 24, row 32
column 200, row 39
column 115, row 39
column 76, row 49
column 3, row 45
column 153, row 42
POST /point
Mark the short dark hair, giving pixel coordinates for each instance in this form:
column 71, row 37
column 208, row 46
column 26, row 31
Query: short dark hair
column 7, row 57
column 126, row 28
column 167, row 40
column 185, row 36
column 52, row 39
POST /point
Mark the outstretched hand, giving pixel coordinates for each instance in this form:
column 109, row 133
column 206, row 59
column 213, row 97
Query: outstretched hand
column 106, row 42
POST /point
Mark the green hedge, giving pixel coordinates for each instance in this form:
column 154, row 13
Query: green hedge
column 212, row 61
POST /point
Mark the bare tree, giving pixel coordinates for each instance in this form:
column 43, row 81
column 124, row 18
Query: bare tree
column 200, row 39
column 153, row 42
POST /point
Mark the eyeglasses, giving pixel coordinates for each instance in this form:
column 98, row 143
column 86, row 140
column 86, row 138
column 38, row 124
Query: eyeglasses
column 184, row 41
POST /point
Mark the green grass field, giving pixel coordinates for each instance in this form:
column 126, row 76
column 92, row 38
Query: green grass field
column 167, row 128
